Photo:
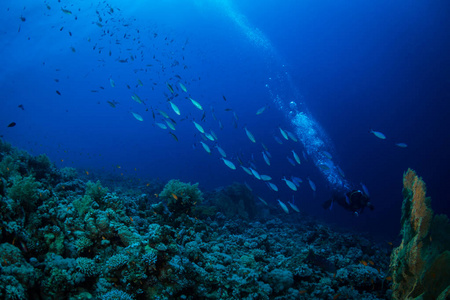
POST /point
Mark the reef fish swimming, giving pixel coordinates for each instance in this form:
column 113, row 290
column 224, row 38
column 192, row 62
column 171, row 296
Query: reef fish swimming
column 283, row 206
column 290, row 184
column 137, row 116
column 228, row 163
column 378, row 134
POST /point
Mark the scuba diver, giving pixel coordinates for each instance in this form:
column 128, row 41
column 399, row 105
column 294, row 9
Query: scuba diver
column 354, row 201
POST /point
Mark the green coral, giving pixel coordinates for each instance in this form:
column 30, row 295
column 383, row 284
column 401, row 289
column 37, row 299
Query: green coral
column 83, row 205
column 25, row 191
column 68, row 173
column 180, row 196
column 5, row 147
column 95, row 191
column 9, row 167
column 40, row 166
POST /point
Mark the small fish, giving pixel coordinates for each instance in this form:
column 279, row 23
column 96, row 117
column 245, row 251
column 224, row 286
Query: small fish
column 266, row 159
column 140, row 83
column 340, row 171
column 283, row 133
column 209, row 136
column 161, row 125
column 174, row 196
column 294, row 207
column 66, row 11
column 365, row 189
column 224, row 98
column 21, row 107
column 255, row 173
column 262, row 200
column 247, row 170
column 272, row 186
column 327, row 154
column 196, row 104
column 265, row 177
column 174, row 136
column 264, row 147
column 170, row 125
column 296, row 157
column 290, row 161
column 136, row 98
column 290, row 184
column 58, row 92
column 228, row 163
column 221, row 151
column 137, row 116
column 248, row 186
column 401, row 145
column 283, row 206
column 312, row 185
column 277, row 139
column 12, row 124
column 292, row 136
column 182, row 87
column 175, row 108
column 112, row 103
column 296, row 180
column 235, row 116
column 304, row 156
column 214, row 135
column 363, row 262
column 164, row 114
column 378, row 134
column 111, row 82
column 169, row 87
column 261, row 110
column 199, row 127
column 324, row 166
column 206, row 147
column 250, row 135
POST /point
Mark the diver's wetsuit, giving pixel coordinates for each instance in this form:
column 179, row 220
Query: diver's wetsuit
column 354, row 201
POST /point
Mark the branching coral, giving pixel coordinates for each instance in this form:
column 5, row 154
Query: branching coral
column 421, row 263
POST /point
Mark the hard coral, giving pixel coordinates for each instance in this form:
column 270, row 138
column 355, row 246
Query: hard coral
column 25, row 191
column 180, row 196
column 421, row 263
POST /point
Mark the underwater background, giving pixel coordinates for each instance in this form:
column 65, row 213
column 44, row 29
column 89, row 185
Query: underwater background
column 97, row 86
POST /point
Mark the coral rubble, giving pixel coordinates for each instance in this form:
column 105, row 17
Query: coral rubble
column 421, row 264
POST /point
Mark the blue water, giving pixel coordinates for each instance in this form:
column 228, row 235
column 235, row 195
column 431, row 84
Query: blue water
column 327, row 71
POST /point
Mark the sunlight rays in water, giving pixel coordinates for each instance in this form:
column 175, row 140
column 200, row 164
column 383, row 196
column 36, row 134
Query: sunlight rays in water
column 287, row 99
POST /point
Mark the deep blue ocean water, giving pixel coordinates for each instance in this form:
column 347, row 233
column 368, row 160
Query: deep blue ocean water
column 348, row 66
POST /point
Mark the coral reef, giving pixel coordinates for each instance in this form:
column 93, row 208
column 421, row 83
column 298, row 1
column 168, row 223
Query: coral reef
column 421, row 264
column 181, row 197
column 234, row 200
column 76, row 239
